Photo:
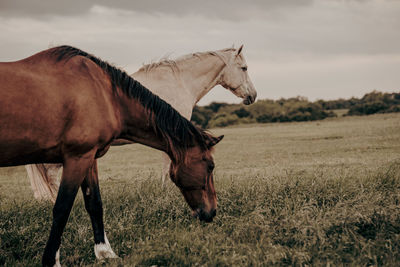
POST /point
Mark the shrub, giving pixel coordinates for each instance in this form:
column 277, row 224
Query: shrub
column 241, row 113
column 264, row 118
column 292, row 109
column 368, row 108
column 224, row 120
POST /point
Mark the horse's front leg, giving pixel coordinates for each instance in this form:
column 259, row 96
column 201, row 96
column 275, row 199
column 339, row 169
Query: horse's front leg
column 75, row 170
column 93, row 204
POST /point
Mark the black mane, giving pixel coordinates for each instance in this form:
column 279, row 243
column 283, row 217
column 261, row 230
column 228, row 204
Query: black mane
column 167, row 122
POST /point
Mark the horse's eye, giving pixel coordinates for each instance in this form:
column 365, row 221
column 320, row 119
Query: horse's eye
column 244, row 68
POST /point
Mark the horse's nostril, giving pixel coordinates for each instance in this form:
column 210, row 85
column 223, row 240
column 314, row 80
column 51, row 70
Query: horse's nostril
column 248, row 100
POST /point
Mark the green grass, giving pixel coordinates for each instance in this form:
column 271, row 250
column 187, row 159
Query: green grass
column 314, row 193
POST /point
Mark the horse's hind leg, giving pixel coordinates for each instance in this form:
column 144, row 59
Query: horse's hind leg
column 93, row 204
column 75, row 170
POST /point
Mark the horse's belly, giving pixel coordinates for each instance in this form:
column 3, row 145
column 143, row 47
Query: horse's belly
column 23, row 142
column 21, row 153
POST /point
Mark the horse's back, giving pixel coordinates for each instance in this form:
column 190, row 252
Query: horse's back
column 45, row 104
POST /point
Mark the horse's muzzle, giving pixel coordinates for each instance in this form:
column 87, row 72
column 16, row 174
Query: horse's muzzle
column 249, row 100
column 203, row 215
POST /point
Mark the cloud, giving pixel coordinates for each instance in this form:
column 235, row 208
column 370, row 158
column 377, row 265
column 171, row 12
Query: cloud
column 291, row 46
column 231, row 10
column 36, row 8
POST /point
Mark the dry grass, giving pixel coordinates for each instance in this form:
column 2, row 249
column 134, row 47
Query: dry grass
column 313, row 193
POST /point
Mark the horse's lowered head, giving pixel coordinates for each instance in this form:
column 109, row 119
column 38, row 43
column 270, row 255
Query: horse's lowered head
column 194, row 177
column 236, row 78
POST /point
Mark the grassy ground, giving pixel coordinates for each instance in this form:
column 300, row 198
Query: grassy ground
column 321, row 193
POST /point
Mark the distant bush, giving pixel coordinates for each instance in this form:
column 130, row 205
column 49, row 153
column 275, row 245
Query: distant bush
column 292, row 109
column 263, row 111
column 308, row 112
column 214, row 106
column 391, row 109
column 201, row 116
column 264, row 118
column 241, row 113
column 376, row 102
column 339, row 103
column 224, row 120
column 368, row 108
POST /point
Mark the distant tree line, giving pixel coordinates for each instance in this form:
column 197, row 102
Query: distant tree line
column 292, row 109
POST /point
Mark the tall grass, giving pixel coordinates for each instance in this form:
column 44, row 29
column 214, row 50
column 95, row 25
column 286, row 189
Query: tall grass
column 313, row 194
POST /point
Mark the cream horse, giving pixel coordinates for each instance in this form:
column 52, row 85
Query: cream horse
column 182, row 83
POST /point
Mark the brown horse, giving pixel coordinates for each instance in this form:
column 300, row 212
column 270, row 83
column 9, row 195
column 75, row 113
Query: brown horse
column 63, row 105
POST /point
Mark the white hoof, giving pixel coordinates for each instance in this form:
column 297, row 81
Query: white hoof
column 104, row 250
column 57, row 264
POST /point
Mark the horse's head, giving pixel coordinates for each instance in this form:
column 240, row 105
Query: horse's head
column 194, row 177
column 236, row 79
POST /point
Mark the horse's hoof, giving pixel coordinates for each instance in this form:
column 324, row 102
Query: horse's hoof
column 57, row 264
column 104, row 251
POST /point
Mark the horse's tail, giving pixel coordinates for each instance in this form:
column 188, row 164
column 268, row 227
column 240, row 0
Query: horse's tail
column 43, row 178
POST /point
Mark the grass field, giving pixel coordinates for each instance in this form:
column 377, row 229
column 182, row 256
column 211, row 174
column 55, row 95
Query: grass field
column 320, row 193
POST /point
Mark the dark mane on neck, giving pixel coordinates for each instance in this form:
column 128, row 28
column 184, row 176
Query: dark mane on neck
column 165, row 120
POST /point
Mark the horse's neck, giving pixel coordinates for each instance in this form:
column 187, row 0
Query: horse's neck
column 200, row 74
column 136, row 126
column 165, row 82
column 184, row 83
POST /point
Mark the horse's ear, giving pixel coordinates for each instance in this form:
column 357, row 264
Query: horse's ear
column 213, row 141
column 239, row 50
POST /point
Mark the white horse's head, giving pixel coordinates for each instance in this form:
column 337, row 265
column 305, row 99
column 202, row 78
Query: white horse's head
column 235, row 77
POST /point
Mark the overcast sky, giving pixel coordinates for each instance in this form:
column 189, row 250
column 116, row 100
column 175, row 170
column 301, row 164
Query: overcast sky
column 320, row 49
